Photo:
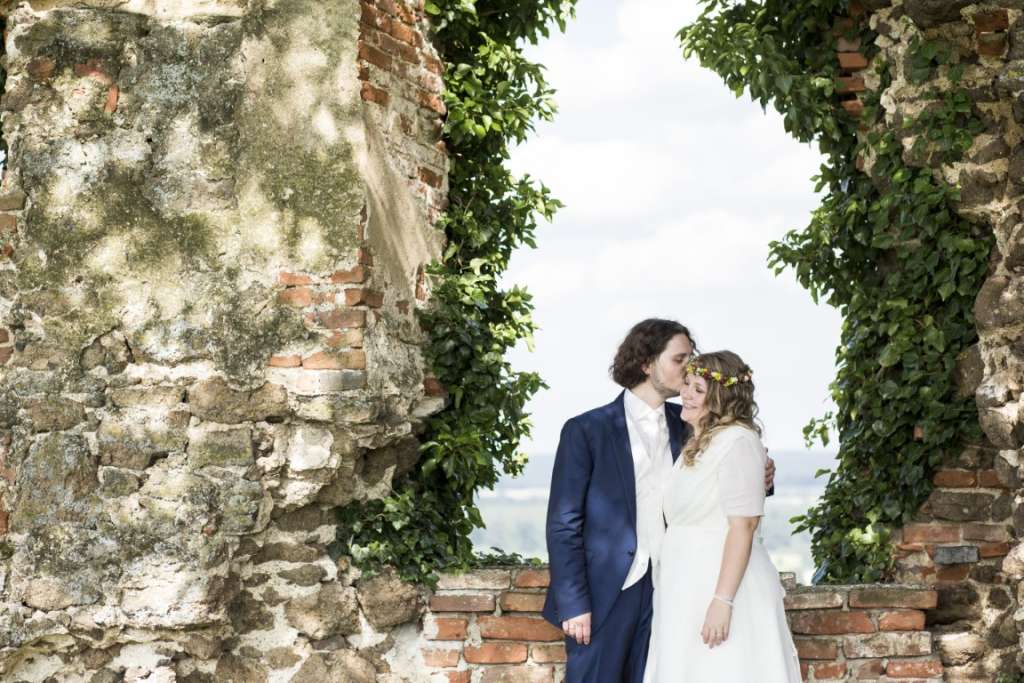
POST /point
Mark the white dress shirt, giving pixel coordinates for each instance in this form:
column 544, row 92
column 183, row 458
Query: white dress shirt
column 652, row 463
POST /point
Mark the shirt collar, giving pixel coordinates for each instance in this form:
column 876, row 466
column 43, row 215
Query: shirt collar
column 638, row 409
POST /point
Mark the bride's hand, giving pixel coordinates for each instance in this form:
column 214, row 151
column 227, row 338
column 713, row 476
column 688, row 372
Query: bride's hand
column 716, row 623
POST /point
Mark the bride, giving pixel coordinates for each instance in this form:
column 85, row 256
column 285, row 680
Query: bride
column 718, row 612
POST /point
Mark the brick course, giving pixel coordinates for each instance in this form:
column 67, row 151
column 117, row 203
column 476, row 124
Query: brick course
column 841, row 632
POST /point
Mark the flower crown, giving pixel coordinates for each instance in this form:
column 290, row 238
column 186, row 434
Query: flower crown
column 724, row 380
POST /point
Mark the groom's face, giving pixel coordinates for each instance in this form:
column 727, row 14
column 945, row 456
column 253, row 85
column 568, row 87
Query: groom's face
column 667, row 371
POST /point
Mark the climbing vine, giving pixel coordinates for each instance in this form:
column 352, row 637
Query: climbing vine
column 494, row 96
column 886, row 247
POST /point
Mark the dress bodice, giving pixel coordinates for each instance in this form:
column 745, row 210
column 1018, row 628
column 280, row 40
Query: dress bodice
column 727, row 479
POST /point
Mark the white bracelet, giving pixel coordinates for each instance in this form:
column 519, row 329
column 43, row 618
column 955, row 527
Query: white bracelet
column 721, row 599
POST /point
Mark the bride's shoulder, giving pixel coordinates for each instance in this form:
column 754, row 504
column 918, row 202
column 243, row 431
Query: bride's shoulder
column 735, row 434
column 736, row 431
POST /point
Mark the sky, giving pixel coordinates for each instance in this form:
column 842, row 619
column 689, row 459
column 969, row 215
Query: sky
column 673, row 190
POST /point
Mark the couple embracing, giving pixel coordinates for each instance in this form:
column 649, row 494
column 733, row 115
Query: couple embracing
column 657, row 571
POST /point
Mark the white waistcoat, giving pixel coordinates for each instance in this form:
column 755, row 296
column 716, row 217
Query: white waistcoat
column 651, row 471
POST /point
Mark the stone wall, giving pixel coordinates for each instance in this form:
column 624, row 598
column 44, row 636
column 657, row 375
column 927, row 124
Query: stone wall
column 214, row 223
column 485, row 627
column 965, row 539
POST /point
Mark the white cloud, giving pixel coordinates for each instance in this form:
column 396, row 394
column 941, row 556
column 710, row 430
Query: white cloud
column 603, row 180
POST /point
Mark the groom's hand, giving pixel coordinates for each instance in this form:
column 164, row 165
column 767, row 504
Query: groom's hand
column 578, row 628
column 769, row 474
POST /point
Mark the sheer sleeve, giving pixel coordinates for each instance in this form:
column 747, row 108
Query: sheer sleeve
column 741, row 477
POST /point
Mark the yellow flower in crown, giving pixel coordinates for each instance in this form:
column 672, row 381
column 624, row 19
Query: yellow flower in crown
column 726, row 381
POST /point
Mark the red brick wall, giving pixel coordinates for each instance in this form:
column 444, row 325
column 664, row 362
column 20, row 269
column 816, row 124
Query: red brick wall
column 488, row 621
column 401, row 78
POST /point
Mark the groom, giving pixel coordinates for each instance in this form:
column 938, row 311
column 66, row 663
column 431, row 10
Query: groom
column 604, row 516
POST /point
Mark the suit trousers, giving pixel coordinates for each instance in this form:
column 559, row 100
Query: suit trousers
column 617, row 652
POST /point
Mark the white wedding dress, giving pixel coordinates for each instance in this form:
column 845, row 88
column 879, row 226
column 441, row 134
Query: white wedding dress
column 727, row 480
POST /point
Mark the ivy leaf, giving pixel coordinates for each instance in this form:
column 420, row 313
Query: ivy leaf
column 935, row 338
column 889, row 357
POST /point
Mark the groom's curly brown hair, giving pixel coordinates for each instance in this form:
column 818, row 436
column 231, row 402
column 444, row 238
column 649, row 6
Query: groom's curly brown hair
column 642, row 346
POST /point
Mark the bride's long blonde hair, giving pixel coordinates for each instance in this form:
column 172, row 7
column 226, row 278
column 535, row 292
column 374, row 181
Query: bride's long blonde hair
column 726, row 405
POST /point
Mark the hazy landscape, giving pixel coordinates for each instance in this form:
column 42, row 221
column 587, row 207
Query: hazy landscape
column 514, row 511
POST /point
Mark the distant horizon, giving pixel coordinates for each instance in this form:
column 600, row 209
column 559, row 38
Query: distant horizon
column 514, row 511
column 792, row 465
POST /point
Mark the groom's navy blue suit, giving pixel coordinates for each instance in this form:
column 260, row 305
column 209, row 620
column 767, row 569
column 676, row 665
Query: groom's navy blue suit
column 591, row 538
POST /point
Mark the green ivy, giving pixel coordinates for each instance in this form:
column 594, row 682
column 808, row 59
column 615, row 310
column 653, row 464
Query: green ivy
column 494, row 96
column 887, row 249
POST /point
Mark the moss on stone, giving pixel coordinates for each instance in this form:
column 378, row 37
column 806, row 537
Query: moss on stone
column 56, row 483
column 246, row 327
column 70, row 36
column 309, row 179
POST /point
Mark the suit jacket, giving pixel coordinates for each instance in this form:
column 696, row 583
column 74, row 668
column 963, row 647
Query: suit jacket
column 591, row 521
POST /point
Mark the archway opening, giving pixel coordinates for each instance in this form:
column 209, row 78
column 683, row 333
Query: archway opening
column 673, row 189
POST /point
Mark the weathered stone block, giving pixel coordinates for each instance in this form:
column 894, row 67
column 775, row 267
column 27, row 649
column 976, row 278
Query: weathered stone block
column 959, row 554
column 304, row 519
column 117, row 482
column 49, row 593
column 203, row 646
column 480, row 579
column 1000, row 302
column 342, row 666
column 56, row 482
column 287, row 552
column 132, row 439
column 210, row 444
column 234, row 669
column 307, row 447
column 956, row 649
column 532, row 578
column 893, row 596
column 249, row 614
column 154, row 395
column 388, row 601
column 831, row 622
column 282, row 658
column 240, row 502
column 930, row 13
column 890, row 644
column 516, row 601
column 317, row 382
column 52, row 414
column 815, row 598
column 214, row 400
column 306, row 575
column 1013, row 563
column 525, row 673
column 331, row 610
column 518, row 628
column 961, row 507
